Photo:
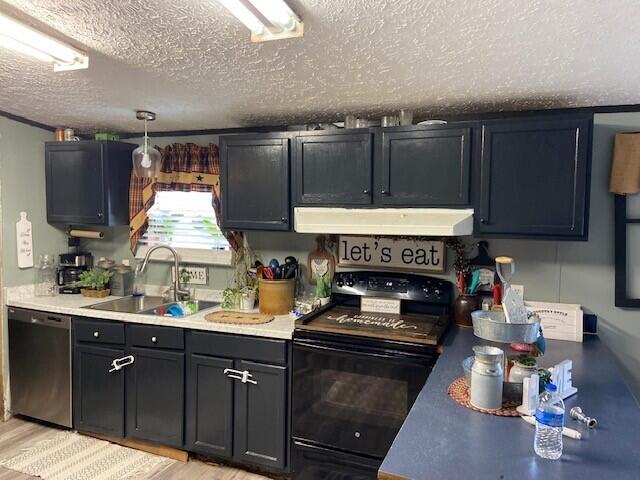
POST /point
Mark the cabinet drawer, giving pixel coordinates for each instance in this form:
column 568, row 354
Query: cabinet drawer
column 237, row 346
column 155, row 337
column 98, row 331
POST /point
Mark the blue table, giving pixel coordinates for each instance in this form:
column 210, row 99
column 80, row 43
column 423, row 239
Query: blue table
column 441, row 439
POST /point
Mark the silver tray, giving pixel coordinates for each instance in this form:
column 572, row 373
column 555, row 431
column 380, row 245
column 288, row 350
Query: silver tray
column 492, row 326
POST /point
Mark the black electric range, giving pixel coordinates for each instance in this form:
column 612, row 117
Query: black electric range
column 356, row 373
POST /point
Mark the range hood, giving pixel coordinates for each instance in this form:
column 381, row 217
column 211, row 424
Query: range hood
column 436, row 222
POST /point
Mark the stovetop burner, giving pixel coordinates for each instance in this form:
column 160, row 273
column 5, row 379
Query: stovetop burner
column 423, row 317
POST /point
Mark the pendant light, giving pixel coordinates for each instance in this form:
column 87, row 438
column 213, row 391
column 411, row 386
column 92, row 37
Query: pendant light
column 146, row 159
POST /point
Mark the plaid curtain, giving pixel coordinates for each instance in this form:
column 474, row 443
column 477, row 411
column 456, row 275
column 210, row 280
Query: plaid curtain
column 185, row 168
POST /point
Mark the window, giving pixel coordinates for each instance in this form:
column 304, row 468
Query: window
column 187, row 222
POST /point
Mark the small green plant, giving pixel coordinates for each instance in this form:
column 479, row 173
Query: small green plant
column 185, row 276
column 231, row 297
column 545, row 377
column 248, row 290
column 96, row 279
column 323, row 286
column 525, row 360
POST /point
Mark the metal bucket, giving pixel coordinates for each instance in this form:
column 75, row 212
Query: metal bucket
column 492, row 326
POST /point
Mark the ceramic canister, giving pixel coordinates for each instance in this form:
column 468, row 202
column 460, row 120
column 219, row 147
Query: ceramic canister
column 487, row 375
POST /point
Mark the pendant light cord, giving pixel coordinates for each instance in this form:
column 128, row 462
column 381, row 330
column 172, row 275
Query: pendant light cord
column 146, row 137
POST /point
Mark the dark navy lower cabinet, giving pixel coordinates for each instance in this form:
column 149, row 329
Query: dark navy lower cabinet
column 98, row 395
column 260, row 415
column 220, row 395
column 209, row 406
column 534, row 177
column 155, row 396
column 245, row 421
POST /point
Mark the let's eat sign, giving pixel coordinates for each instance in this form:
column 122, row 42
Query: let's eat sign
column 391, row 253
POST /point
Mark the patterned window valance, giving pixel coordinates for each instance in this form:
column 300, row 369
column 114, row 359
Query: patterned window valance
column 186, row 168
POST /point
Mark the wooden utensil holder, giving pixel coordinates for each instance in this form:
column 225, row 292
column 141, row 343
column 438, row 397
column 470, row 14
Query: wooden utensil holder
column 276, row 297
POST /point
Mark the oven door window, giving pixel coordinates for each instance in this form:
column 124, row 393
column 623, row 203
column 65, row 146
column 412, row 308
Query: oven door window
column 352, row 400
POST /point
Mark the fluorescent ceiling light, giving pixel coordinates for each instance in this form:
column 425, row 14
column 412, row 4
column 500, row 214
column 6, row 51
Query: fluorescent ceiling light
column 242, row 13
column 23, row 39
column 267, row 19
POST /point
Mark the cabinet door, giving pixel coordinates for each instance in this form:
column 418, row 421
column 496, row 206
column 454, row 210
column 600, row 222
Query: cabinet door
column 209, row 419
column 98, row 396
column 75, row 183
column 155, row 396
column 424, row 167
column 534, row 178
column 255, row 183
column 333, row 169
column 260, row 429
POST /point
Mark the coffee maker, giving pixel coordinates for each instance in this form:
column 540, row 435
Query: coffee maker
column 71, row 265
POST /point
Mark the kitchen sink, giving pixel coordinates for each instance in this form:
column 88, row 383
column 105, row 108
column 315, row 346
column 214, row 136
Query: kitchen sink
column 129, row 304
column 189, row 308
column 149, row 305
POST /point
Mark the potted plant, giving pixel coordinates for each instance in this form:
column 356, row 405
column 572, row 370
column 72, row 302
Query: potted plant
column 231, row 298
column 93, row 283
column 248, row 297
column 523, row 367
column 323, row 288
column 244, row 286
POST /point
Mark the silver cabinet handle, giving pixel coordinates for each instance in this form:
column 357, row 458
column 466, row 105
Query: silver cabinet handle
column 154, row 339
column 244, row 376
column 119, row 363
column 96, row 334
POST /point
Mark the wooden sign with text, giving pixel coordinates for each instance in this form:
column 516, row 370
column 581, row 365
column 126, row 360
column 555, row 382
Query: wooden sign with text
column 392, row 253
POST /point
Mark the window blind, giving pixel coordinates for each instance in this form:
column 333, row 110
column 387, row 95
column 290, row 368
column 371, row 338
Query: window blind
column 184, row 220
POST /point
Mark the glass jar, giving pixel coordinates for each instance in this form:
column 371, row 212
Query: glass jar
column 45, row 276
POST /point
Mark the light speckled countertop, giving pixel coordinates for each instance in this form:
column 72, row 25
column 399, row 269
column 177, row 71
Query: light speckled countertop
column 281, row 327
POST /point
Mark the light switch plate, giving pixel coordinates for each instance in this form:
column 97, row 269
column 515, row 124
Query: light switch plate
column 199, row 275
column 519, row 289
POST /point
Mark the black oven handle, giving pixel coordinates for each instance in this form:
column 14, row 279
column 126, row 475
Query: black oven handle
column 352, row 349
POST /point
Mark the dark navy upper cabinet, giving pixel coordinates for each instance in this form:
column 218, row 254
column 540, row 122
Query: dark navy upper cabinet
column 534, row 177
column 255, row 181
column 423, row 167
column 333, row 168
column 88, row 182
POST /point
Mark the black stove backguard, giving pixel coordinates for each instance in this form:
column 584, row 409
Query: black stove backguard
column 419, row 293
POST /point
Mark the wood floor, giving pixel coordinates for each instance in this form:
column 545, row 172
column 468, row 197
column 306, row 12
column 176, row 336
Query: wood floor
column 18, row 433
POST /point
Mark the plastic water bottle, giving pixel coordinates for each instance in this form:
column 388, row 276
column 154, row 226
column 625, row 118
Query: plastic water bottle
column 549, row 423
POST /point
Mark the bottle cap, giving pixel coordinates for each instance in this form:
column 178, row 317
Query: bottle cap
column 550, row 387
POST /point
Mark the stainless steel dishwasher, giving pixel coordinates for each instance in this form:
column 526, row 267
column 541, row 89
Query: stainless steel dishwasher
column 40, row 365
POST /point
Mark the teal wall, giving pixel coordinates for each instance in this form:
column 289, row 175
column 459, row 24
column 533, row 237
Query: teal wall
column 573, row 272
column 22, row 188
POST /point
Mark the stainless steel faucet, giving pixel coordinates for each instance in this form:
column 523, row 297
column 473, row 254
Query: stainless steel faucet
column 175, row 272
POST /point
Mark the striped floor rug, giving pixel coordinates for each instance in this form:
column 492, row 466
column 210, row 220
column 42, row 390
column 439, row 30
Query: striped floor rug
column 70, row 456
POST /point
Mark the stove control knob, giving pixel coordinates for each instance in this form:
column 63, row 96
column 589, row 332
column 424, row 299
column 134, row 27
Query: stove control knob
column 339, row 282
column 437, row 292
column 357, row 434
column 427, row 291
column 349, row 282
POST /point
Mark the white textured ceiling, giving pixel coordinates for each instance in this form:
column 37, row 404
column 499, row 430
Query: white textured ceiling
column 193, row 63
